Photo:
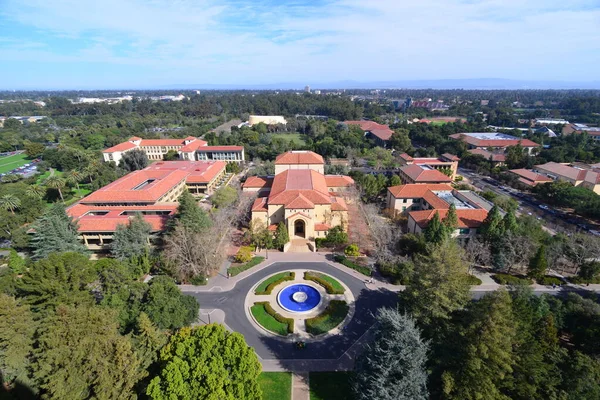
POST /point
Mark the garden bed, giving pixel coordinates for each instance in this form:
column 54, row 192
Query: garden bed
column 330, row 285
column 269, row 319
column 351, row 264
column 506, row 279
column 333, row 315
column 266, row 286
column 238, row 269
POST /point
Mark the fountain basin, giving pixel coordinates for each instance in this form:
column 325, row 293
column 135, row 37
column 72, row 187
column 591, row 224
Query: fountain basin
column 299, row 298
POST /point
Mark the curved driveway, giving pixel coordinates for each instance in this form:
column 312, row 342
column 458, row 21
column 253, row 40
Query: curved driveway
column 269, row 347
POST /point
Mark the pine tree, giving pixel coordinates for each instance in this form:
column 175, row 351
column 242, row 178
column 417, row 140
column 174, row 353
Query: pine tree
column 538, row 264
column 281, row 236
column 492, row 225
column 131, row 240
column 394, row 366
column 450, row 222
column 191, row 216
column 435, row 232
column 55, row 231
column 147, row 341
column 509, row 222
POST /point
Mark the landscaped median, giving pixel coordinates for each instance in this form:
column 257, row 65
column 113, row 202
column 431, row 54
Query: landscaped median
column 330, row 285
column 267, row 286
column 269, row 319
column 350, row 264
column 334, row 314
column 238, row 269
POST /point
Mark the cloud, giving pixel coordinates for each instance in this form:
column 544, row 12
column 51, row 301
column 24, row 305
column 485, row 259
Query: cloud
column 259, row 41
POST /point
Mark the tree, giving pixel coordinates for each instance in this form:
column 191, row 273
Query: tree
column 131, row 240
column 167, row 307
column 224, row 197
column 17, row 329
column 400, row 141
column 395, row 180
column 147, row 341
column 538, row 264
column 509, row 222
column 352, row 250
column 438, row 285
column 393, row 367
column 35, row 191
column 336, row 236
column 34, row 150
column 80, row 355
column 281, row 236
column 10, row 202
column 190, row 215
column 73, row 177
column 450, row 222
column 56, row 182
column 171, row 155
column 488, row 357
column 207, row 362
column 589, row 270
column 435, row 232
column 134, row 160
column 55, row 231
column 492, row 225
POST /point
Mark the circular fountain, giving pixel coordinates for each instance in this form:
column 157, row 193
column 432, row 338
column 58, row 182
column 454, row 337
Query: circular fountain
column 299, row 298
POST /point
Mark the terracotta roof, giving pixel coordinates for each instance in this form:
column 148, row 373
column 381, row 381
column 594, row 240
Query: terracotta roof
column 451, row 157
column 467, row 218
column 299, row 202
column 120, row 147
column 406, row 157
column 486, row 154
column 418, row 174
column 198, row 171
column 383, row 132
column 299, row 179
column 322, row 227
column 258, row 182
column 336, row 181
column 530, row 176
column 260, row 204
column 474, row 141
column 299, row 157
column 193, row 146
column 109, row 222
column 563, row 170
column 134, row 138
column 415, row 191
column 339, row 204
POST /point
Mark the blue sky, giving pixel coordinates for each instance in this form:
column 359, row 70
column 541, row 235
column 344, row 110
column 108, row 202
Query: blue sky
column 66, row 44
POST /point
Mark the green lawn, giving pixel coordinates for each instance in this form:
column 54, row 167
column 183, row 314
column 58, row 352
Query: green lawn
column 267, row 321
column 296, row 137
column 276, row 385
column 333, row 315
column 11, row 162
column 330, row 386
column 46, row 174
column 262, row 287
column 339, row 289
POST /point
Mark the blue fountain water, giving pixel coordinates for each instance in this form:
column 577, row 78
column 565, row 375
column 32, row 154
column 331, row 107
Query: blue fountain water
column 299, row 298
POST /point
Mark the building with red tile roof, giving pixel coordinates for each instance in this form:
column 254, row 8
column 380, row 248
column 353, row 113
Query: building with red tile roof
column 495, row 158
column 446, row 161
column 152, row 192
column 414, row 173
column 530, row 178
column 300, row 196
column 190, row 148
column 493, row 140
column 419, row 203
column 580, row 175
column 381, row 133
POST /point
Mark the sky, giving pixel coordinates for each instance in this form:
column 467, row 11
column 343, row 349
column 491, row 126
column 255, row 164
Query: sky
column 85, row 44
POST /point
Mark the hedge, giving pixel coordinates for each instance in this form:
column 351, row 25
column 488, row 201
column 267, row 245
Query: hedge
column 330, row 285
column 397, row 273
column 241, row 268
column 359, row 268
column 578, row 280
column 333, row 315
column 549, row 281
column 473, row 280
column 267, row 286
column 506, row 279
column 269, row 319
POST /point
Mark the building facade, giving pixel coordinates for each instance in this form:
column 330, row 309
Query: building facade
column 445, row 162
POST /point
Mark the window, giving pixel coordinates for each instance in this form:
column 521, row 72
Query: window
column 464, row 231
column 403, row 209
column 404, row 201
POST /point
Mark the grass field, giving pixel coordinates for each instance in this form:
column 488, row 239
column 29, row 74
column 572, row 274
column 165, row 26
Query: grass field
column 11, row 162
column 330, row 386
column 267, row 321
column 333, row 315
column 276, row 385
column 296, row 137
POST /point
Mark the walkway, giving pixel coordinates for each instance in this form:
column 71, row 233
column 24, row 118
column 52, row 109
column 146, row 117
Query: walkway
column 300, row 386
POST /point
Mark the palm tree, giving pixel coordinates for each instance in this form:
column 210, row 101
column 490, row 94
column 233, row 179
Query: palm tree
column 56, row 182
column 74, row 177
column 35, row 191
column 10, row 202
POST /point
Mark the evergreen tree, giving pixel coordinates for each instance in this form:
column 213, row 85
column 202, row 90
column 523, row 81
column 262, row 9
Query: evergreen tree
column 147, row 341
column 435, row 232
column 134, row 160
column 492, row 225
column 450, row 222
column 538, row 264
column 80, row 354
column 281, row 236
column 131, row 240
column 393, row 367
column 438, row 285
column 56, row 232
column 488, row 358
column 509, row 222
column 207, row 362
column 191, row 216
column 167, row 307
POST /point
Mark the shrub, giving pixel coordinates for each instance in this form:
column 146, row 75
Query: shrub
column 506, row 279
column 352, row 251
column 321, row 242
column 265, row 323
column 336, row 235
column 397, row 273
column 549, row 281
column 244, row 254
column 473, row 280
column 578, row 280
column 333, row 315
column 198, row 280
column 241, row 268
column 330, row 285
column 270, row 283
column 15, row 262
column 359, row 268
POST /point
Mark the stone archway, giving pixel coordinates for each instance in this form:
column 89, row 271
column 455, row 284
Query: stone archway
column 300, row 228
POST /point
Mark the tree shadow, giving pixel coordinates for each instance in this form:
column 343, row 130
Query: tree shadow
column 17, row 391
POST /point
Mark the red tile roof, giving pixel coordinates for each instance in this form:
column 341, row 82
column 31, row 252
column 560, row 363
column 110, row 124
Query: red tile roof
column 529, row 177
column 299, row 202
column 260, row 204
column 421, row 175
column 563, row 170
column 299, row 157
column 198, row 171
column 406, row 157
column 322, row 227
column 493, row 142
column 486, row 154
column 258, row 182
column 383, row 132
column 467, row 218
column 109, row 222
column 451, row 157
column 415, row 191
column 336, row 181
column 120, row 147
column 193, row 146
column 339, row 204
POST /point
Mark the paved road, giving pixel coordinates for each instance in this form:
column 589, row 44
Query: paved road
column 269, row 347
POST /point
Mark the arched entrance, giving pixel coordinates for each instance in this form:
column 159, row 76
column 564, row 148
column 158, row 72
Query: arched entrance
column 299, row 228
